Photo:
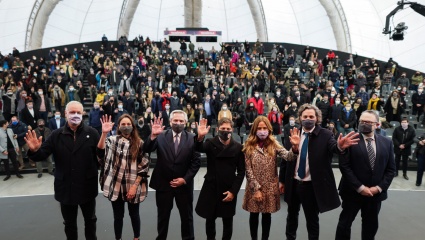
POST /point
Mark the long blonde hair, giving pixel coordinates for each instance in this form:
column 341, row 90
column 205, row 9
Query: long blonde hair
column 270, row 143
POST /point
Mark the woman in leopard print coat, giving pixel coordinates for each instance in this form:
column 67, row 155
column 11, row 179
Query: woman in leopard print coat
column 262, row 186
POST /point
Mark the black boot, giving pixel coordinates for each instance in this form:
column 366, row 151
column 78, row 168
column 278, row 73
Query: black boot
column 405, row 176
column 6, row 178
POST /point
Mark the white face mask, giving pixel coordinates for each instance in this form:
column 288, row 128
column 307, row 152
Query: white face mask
column 291, row 122
column 224, row 108
column 40, row 92
column 75, row 118
column 167, row 107
column 404, row 125
column 337, row 102
column 256, row 95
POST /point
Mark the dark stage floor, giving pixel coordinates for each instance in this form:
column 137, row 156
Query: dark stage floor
column 38, row 217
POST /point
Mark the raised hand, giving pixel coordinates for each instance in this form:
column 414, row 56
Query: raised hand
column 294, row 137
column 157, row 126
column 202, row 128
column 32, row 141
column 347, row 141
column 107, row 125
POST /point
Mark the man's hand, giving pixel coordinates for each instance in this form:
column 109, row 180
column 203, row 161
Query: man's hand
column 202, row 128
column 347, row 141
column 281, row 188
column 157, row 127
column 374, row 190
column 229, row 196
column 177, row 182
column 401, row 146
column 294, row 137
column 5, row 153
column 366, row 192
column 32, row 141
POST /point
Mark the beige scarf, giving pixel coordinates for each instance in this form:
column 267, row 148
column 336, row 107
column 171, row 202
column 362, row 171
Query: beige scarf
column 394, row 104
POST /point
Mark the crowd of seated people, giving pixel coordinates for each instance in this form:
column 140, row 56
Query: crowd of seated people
column 148, row 79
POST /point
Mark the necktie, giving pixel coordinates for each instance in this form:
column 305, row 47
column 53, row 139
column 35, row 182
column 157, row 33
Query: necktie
column 176, row 143
column 371, row 152
column 303, row 157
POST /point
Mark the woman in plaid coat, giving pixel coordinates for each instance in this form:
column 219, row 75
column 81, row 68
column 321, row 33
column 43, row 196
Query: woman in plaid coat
column 125, row 171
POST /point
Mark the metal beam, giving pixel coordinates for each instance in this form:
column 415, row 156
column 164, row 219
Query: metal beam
column 37, row 22
column 257, row 12
column 339, row 24
column 128, row 9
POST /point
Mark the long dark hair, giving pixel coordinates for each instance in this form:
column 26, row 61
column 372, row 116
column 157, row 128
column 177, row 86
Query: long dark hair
column 135, row 141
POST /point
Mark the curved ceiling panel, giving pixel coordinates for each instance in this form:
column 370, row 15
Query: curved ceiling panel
column 75, row 21
column 152, row 17
column 14, row 19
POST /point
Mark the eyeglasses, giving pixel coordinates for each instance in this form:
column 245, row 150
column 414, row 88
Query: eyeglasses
column 366, row 122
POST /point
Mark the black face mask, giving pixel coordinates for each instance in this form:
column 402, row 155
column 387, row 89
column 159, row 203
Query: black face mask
column 224, row 135
column 178, row 128
column 365, row 128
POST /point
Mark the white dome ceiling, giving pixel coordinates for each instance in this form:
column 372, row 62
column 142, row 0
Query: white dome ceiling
column 303, row 22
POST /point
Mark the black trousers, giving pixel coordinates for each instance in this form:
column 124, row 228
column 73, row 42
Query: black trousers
column 303, row 194
column 164, row 204
column 133, row 212
column 227, row 228
column 12, row 156
column 266, row 221
column 369, row 211
column 69, row 214
column 404, row 159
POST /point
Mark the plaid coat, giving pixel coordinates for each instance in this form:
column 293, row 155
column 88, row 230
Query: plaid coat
column 120, row 172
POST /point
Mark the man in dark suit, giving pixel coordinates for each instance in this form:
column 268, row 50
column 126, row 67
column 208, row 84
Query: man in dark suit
column 310, row 181
column 367, row 171
column 172, row 178
column 224, row 177
column 56, row 122
column 29, row 115
column 76, row 184
column 165, row 115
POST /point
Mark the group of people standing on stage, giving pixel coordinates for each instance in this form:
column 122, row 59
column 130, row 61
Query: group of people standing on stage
column 306, row 176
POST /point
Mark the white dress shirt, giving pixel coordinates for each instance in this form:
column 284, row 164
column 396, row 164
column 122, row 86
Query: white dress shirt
column 307, row 176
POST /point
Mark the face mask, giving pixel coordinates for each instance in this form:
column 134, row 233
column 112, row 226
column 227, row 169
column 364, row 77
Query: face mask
column 278, row 93
column 40, row 93
column 9, row 94
column 224, row 108
column 41, row 126
column 291, row 122
column 120, row 107
column 178, row 128
column 71, row 89
column 365, row 128
column 337, row 102
column 256, row 95
column 109, row 93
column 262, row 134
column 75, row 118
column 57, row 116
column 404, row 125
column 24, row 95
column 251, row 106
column 14, row 123
column 399, row 89
column 308, row 124
column 224, row 135
column 395, row 95
column 140, row 123
column 347, row 108
column 288, row 101
column 332, row 95
column 29, row 106
column 126, row 130
column 167, row 107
